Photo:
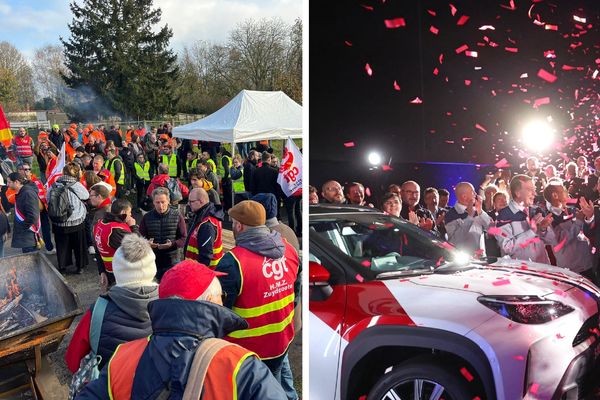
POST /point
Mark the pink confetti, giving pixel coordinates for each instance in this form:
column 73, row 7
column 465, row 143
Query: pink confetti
column 368, row 191
column 453, row 10
column 386, row 168
column 466, row 286
column 511, row 5
column 495, row 231
column 549, row 54
column 396, row 86
column 550, row 27
column 530, row 241
column 436, row 71
column 369, row 70
column 461, row 48
column 541, row 101
column 431, row 12
column 416, row 100
column 547, row 76
column 511, row 49
column 533, row 389
column 349, row 144
column 368, row 8
column 502, row 164
column 347, row 43
column 434, row 30
column 559, row 246
column 462, row 20
column 560, row 293
column 465, row 372
column 366, row 263
column 467, row 82
column 487, row 27
column 481, row 128
column 471, row 54
column 519, row 358
column 501, row 282
column 559, row 336
column 359, row 278
column 394, row 23
column 441, row 58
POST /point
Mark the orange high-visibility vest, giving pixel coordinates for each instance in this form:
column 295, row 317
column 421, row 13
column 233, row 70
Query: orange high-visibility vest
column 266, row 301
column 219, row 383
column 102, row 232
column 191, row 250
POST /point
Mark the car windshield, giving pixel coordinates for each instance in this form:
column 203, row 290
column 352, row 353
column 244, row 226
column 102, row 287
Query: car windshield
column 384, row 244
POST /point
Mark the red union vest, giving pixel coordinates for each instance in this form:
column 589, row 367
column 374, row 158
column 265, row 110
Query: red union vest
column 191, row 250
column 23, row 146
column 219, row 384
column 102, row 232
column 266, row 301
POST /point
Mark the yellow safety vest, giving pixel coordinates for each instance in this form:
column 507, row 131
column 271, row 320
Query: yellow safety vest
column 212, row 164
column 191, row 165
column 238, row 184
column 220, row 168
column 143, row 172
column 110, row 165
column 172, row 162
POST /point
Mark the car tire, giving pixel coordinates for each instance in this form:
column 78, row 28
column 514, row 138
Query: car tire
column 432, row 378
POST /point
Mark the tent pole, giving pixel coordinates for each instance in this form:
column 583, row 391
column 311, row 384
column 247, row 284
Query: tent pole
column 232, row 155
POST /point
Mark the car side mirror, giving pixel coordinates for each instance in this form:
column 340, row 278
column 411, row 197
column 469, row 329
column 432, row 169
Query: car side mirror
column 317, row 274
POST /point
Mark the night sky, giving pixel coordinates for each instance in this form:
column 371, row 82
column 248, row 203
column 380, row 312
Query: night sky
column 474, row 108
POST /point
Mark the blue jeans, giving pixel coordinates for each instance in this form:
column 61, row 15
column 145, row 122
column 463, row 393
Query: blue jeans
column 29, row 249
column 287, row 379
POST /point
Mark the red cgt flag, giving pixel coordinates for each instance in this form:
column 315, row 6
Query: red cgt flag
column 5, row 133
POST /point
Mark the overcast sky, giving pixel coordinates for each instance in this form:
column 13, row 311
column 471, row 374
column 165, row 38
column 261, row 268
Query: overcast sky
column 29, row 24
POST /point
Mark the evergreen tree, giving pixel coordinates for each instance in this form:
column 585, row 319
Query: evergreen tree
column 115, row 50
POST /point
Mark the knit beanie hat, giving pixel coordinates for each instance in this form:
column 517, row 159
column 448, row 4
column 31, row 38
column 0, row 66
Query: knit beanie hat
column 269, row 202
column 248, row 212
column 134, row 262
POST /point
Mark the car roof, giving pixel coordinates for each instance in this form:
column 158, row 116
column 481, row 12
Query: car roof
column 329, row 209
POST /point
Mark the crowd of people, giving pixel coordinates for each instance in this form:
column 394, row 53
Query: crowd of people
column 541, row 214
column 166, row 273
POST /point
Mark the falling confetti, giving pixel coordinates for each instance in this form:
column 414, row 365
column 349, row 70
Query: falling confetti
column 416, row 100
column 369, row 70
column 501, row 282
column 396, row 86
column 465, row 372
column 462, row 20
column 434, row 30
column 394, row 23
column 349, row 144
column 461, row 49
column 547, row 76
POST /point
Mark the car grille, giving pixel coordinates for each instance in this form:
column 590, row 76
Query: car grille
column 589, row 328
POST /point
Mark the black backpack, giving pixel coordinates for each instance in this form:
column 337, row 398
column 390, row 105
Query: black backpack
column 59, row 206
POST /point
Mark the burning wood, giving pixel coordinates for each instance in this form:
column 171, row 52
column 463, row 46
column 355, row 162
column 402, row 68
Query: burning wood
column 10, row 305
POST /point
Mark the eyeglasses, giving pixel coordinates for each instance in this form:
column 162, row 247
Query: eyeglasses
column 24, row 169
column 192, row 201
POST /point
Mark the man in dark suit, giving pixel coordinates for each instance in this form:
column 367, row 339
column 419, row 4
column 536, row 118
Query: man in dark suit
column 264, row 180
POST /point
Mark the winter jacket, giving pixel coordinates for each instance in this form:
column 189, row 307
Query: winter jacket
column 249, row 168
column 285, row 231
column 126, row 318
column 179, row 327
column 466, row 231
column 161, row 181
column 259, row 240
column 77, row 196
column 115, row 238
column 27, row 202
column 264, row 180
column 163, row 227
column 4, row 224
column 518, row 240
column 207, row 233
column 57, row 138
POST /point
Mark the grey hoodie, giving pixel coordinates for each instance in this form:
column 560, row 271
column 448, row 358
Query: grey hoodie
column 261, row 240
column 133, row 300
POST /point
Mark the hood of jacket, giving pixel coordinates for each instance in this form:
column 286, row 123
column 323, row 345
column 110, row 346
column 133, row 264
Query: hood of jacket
column 261, row 240
column 160, row 180
column 209, row 210
column 133, row 300
column 193, row 317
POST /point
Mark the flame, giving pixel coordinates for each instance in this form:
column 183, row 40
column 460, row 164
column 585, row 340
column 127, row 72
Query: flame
column 12, row 287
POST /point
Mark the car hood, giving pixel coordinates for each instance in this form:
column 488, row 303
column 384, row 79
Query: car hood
column 512, row 277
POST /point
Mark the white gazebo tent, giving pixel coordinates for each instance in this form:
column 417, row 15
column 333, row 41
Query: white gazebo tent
column 250, row 116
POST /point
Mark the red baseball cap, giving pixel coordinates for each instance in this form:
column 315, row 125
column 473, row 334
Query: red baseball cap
column 187, row 279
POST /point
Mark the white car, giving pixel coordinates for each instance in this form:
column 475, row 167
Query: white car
column 397, row 314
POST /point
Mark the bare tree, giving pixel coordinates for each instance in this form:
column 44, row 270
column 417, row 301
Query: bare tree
column 48, row 65
column 12, row 60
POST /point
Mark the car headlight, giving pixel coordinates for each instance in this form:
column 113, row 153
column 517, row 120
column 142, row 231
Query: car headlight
column 526, row 309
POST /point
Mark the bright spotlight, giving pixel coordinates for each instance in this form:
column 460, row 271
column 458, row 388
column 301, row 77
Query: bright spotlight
column 462, row 258
column 537, row 136
column 374, row 158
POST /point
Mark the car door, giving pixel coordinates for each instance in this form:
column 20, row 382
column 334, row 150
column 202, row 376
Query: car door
column 327, row 304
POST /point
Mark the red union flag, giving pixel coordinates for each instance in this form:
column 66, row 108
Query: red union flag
column 290, row 171
column 58, row 167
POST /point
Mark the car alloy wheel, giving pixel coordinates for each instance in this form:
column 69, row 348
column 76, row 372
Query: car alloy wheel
column 418, row 389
